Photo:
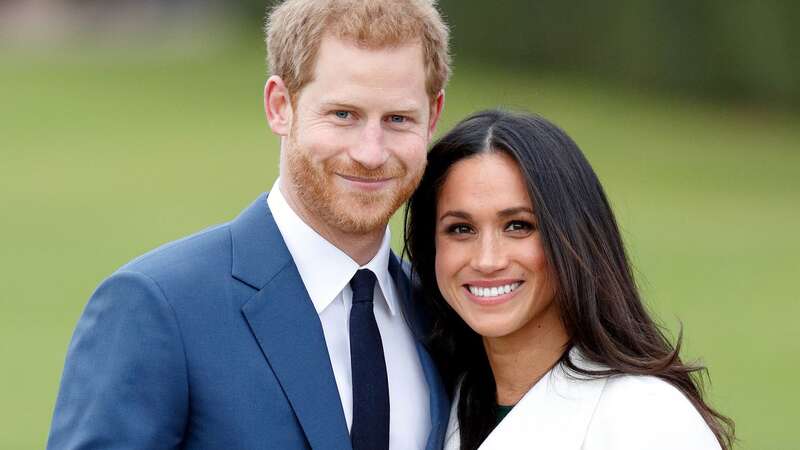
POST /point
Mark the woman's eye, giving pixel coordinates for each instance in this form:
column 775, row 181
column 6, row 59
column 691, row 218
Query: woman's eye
column 344, row 115
column 459, row 228
column 519, row 226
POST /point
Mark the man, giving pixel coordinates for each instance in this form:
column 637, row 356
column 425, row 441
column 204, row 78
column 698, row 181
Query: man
column 287, row 328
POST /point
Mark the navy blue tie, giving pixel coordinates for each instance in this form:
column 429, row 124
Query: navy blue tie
column 370, row 429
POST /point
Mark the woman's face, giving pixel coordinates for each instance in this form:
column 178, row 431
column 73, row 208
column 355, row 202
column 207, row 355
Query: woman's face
column 490, row 264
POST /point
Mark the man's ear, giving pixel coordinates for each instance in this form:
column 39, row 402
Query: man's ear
column 278, row 106
column 436, row 112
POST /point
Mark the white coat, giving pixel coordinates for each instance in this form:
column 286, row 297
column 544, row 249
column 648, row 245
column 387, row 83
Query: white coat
column 620, row 412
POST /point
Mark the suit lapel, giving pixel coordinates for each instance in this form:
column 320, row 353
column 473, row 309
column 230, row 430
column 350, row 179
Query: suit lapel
column 439, row 408
column 286, row 326
column 288, row 330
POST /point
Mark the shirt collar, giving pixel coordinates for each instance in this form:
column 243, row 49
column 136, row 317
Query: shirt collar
column 324, row 268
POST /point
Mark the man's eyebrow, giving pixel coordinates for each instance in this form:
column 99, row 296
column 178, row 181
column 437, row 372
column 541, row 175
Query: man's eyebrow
column 405, row 108
column 337, row 104
column 406, row 112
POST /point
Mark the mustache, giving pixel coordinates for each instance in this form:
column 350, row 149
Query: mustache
column 391, row 169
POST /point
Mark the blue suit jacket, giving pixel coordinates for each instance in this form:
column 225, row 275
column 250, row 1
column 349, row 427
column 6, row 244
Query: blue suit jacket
column 211, row 342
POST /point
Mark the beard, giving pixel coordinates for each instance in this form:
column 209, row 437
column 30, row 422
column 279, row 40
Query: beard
column 319, row 187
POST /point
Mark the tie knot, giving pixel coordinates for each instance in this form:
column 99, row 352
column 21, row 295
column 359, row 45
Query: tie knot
column 363, row 285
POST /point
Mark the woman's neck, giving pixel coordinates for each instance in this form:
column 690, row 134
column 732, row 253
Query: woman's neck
column 522, row 358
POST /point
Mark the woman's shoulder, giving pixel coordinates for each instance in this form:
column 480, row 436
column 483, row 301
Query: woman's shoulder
column 645, row 390
column 638, row 411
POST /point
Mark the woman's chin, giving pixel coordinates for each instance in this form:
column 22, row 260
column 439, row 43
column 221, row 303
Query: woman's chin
column 492, row 327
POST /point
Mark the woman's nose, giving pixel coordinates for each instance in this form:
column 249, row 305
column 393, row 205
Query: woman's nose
column 490, row 255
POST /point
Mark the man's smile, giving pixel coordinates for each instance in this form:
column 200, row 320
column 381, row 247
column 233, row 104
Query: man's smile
column 371, row 184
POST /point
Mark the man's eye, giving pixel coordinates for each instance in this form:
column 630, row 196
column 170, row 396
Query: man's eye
column 395, row 118
column 344, row 115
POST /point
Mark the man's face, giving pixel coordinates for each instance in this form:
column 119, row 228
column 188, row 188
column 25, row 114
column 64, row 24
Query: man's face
column 359, row 131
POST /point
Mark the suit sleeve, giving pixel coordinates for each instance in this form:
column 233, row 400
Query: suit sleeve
column 124, row 384
column 647, row 413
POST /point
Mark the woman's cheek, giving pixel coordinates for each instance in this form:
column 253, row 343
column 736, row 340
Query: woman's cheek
column 440, row 252
column 445, row 270
column 538, row 258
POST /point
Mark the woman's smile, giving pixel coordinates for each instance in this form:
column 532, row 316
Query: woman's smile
column 491, row 292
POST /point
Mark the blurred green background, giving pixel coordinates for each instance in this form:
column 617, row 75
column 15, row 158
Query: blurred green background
column 122, row 131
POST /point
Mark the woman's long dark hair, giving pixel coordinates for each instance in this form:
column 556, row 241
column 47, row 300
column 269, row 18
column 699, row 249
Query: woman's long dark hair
column 596, row 293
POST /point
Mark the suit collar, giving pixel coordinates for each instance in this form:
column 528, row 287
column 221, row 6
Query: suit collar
column 438, row 407
column 258, row 248
column 286, row 326
column 308, row 248
column 283, row 320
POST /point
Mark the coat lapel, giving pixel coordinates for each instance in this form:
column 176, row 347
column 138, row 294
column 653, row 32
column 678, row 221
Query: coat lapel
column 286, row 326
column 554, row 414
column 439, row 407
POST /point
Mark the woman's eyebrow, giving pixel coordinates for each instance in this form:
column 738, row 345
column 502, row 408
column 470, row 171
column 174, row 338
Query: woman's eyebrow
column 514, row 211
column 502, row 213
column 457, row 214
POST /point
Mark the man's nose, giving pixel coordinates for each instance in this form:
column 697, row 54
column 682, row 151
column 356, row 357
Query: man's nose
column 490, row 255
column 371, row 151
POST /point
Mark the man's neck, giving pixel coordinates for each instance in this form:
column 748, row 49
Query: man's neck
column 360, row 247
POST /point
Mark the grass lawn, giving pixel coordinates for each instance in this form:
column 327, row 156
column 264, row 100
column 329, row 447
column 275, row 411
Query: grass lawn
column 105, row 154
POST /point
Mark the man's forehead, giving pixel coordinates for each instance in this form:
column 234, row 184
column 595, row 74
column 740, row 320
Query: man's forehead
column 346, row 74
column 399, row 64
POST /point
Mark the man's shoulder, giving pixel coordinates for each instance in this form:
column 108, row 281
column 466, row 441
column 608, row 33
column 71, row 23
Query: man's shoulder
column 185, row 274
column 210, row 250
column 209, row 246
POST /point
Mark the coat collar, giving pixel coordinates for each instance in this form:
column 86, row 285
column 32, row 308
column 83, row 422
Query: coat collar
column 554, row 414
column 282, row 318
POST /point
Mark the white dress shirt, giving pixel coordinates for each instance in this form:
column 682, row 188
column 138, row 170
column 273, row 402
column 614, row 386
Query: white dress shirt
column 326, row 272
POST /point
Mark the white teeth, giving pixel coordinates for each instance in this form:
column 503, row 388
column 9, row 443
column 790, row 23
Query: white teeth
column 493, row 291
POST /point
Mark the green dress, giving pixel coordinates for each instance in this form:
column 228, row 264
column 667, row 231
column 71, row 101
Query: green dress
column 502, row 411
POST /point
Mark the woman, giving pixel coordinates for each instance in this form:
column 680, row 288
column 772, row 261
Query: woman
column 535, row 309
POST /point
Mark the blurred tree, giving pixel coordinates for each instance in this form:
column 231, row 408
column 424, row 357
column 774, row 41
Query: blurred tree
column 747, row 50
